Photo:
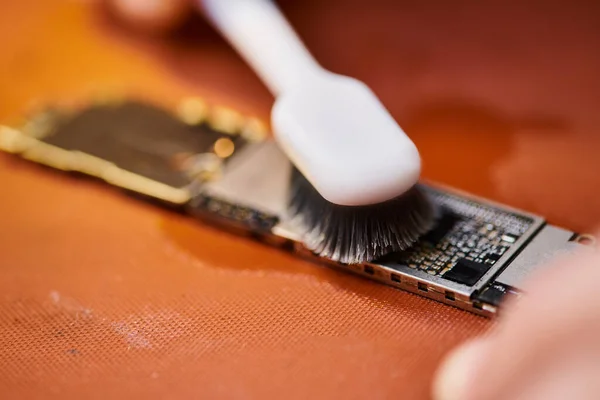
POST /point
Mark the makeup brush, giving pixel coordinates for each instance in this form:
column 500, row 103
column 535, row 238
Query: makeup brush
column 354, row 186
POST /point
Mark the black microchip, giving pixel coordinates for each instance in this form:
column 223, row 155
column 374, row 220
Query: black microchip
column 466, row 272
column 495, row 293
column 137, row 137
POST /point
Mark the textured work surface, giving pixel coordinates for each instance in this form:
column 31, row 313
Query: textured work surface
column 109, row 294
column 103, row 296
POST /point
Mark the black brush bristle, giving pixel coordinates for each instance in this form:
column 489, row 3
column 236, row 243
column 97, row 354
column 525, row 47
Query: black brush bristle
column 355, row 234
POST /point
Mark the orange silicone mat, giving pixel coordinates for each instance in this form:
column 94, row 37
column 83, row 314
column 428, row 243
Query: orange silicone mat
column 105, row 296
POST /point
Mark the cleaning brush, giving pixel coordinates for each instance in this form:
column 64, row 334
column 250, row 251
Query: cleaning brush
column 354, row 187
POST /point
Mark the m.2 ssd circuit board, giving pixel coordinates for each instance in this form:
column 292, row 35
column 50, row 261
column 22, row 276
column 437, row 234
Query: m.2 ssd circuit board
column 219, row 166
column 477, row 254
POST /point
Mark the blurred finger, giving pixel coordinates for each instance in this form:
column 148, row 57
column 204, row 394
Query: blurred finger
column 551, row 331
column 452, row 380
column 152, row 16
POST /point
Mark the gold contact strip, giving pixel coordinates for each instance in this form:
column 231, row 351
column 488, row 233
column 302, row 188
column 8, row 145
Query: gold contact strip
column 15, row 142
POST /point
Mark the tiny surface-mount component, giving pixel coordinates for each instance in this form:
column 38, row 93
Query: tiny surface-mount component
column 496, row 293
column 466, row 271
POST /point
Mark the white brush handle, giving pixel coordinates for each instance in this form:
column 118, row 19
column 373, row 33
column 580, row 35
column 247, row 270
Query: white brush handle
column 333, row 128
column 262, row 35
